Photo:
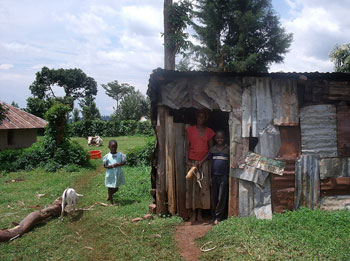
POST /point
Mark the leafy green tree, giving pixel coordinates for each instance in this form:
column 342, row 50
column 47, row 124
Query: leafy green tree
column 238, row 35
column 340, row 56
column 134, row 106
column 37, row 106
column 75, row 83
column 89, row 110
column 3, row 112
column 117, row 91
column 75, row 115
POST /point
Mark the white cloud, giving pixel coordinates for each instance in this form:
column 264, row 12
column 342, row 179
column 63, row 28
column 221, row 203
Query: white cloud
column 316, row 26
column 5, row 66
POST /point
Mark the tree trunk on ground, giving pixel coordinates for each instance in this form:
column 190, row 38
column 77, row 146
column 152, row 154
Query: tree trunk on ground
column 31, row 220
column 169, row 49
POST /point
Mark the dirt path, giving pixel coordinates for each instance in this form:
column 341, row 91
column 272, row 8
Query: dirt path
column 185, row 237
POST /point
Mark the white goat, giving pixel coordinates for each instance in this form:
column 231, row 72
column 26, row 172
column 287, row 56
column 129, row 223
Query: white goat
column 69, row 198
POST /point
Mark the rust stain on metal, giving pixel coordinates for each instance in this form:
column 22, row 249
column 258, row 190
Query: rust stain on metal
column 261, row 162
column 285, row 102
column 283, row 189
column 18, row 119
column 335, row 186
column 343, row 131
column 290, row 139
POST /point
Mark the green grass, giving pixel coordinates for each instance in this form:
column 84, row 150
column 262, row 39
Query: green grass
column 104, row 233
column 299, row 235
column 107, row 233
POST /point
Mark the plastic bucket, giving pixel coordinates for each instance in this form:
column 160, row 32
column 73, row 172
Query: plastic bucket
column 95, row 154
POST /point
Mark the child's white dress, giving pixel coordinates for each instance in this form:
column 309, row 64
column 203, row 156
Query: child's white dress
column 114, row 176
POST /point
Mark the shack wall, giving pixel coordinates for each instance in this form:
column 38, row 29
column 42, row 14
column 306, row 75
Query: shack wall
column 285, row 106
column 17, row 138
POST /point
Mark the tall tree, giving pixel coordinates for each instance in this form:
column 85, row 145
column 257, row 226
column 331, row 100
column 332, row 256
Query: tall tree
column 75, row 83
column 176, row 17
column 340, row 56
column 75, row 115
column 134, row 106
column 38, row 107
column 117, row 91
column 89, row 109
column 238, row 35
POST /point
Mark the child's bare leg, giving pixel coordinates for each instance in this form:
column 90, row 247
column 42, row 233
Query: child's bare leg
column 110, row 195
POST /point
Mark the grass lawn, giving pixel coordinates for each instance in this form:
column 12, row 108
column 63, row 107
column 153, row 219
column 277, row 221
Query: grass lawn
column 298, row 235
column 104, row 233
column 107, row 233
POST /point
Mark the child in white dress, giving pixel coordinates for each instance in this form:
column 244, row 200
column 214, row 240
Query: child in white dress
column 114, row 173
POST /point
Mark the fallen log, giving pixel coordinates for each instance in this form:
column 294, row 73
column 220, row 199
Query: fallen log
column 31, row 220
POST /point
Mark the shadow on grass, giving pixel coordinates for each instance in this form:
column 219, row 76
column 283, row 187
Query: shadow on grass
column 124, row 202
column 78, row 215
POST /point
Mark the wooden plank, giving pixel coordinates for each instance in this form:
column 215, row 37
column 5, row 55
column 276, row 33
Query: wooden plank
column 161, row 178
column 233, row 200
column 180, row 170
column 169, row 163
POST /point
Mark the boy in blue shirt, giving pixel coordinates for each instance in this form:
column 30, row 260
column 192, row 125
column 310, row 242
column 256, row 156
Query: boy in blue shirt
column 220, row 164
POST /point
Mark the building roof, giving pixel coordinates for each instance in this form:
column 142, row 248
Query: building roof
column 160, row 77
column 18, row 119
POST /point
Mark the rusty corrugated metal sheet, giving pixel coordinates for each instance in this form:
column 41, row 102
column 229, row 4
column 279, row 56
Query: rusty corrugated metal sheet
column 335, row 186
column 307, row 182
column 343, row 131
column 318, row 130
column 339, row 90
column 285, row 102
column 18, row 119
column 290, row 139
column 238, row 146
column 283, row 188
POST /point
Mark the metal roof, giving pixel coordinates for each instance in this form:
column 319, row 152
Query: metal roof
column 18, row 119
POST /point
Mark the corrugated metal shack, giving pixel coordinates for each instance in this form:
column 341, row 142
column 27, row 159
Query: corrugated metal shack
column 289, row 137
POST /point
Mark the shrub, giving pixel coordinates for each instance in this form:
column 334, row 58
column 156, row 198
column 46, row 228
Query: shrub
column 7, row 159
column 110, row 128
column 54, row 152
column 141, row 156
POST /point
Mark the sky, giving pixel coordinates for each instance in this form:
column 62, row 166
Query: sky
column 121, row 40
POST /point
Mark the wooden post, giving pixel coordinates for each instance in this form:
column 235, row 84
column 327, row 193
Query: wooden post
column 170, row 163
column 161, row 178
column 169, row 50
column 233, row 200
column 180, row 169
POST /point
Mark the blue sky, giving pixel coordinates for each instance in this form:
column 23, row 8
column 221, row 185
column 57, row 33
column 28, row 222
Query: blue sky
column 120, row 40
